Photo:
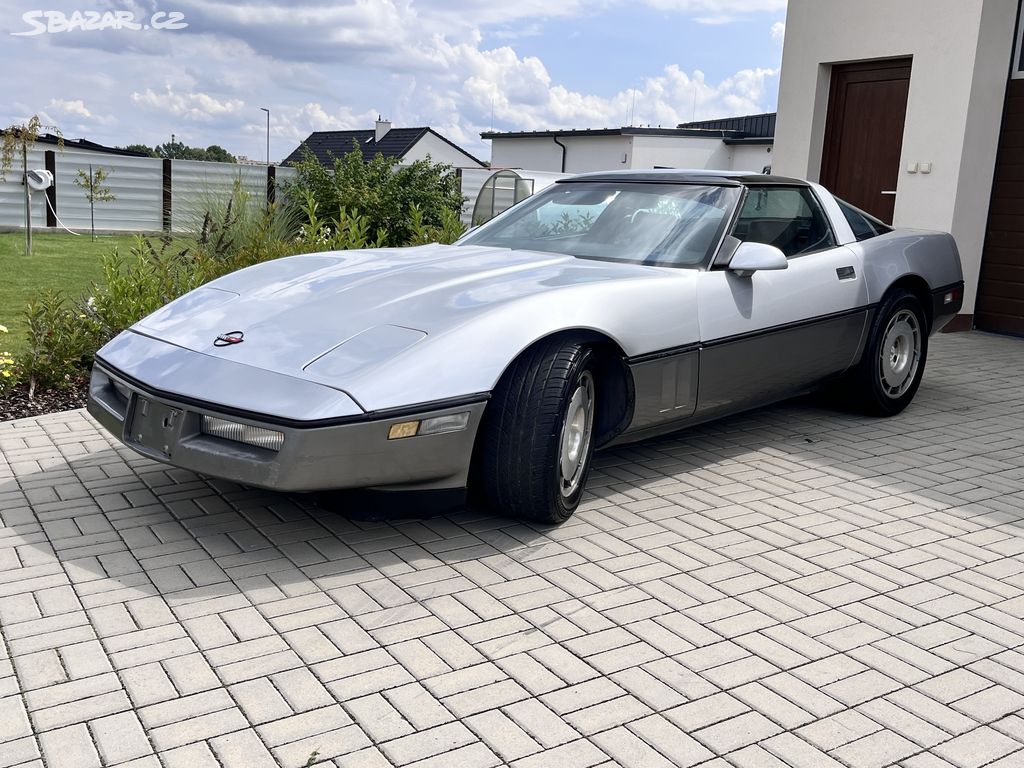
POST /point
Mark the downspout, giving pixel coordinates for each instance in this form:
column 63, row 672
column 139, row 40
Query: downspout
column 555, row 139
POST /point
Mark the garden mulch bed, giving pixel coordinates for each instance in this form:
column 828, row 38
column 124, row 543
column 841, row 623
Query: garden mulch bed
column 15, row 404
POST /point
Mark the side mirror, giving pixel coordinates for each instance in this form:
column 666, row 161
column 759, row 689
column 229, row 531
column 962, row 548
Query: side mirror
column 753, row 257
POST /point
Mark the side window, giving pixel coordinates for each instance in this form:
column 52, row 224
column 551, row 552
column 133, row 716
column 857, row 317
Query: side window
column 864, row 225
column 787, row 217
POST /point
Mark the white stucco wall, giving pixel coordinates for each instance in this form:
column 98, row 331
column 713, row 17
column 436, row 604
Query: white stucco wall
column 440, row 152
column 602, row 153
column 583, row 153
column 751, row 157
column 680, row 152
column 961, row 54
column 596, row 153
column 540, row 153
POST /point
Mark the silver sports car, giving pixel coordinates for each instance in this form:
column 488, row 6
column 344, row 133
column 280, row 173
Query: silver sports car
column 609, row 308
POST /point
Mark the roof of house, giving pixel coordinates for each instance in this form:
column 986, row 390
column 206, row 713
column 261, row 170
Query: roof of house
column 625, row 131
column 396, row 143
column 746, row 129
column 758, row 129
column 92, row 146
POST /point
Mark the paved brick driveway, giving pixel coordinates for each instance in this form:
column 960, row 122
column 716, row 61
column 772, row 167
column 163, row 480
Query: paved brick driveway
column 793, row 587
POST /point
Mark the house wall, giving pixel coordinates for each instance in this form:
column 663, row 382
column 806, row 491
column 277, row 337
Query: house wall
column 597, row 153
column 961, row 53
column 583, row 153
column 680, row 152
column 602, row 153
column 440, row 152
column 751, row 157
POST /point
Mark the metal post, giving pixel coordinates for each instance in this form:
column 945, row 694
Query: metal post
column 264, row 109
column 28, row 199
column 92, row 203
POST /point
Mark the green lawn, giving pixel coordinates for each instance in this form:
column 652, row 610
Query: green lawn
column 59, row 261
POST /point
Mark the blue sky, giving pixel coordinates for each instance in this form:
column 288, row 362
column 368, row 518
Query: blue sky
column 323, row 64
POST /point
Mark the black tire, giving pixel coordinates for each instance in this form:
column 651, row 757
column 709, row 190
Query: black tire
column 520, row 469
column 867, row 387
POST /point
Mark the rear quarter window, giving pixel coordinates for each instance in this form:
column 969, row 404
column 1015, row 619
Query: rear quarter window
column 864, row 225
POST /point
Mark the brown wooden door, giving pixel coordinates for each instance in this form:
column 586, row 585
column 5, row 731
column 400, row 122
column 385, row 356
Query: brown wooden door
column 1000, row 303
column 867, row 111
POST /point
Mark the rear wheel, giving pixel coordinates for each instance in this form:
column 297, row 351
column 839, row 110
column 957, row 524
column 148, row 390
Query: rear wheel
column 890, row 372
column 538, row 434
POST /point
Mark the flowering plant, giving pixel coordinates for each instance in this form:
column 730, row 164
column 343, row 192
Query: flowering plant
column 6, row 361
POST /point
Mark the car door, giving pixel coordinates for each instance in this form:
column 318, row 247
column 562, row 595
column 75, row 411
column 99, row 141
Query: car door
column 775, row 333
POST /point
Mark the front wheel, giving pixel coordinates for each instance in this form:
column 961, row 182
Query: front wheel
column 538, row 433
column 890, row 372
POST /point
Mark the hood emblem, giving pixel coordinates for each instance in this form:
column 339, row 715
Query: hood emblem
column 229, row 338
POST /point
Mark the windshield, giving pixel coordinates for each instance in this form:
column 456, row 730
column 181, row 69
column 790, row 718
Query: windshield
column 659, row 224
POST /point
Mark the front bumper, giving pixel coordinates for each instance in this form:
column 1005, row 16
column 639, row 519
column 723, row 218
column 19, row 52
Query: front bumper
column 351, row 452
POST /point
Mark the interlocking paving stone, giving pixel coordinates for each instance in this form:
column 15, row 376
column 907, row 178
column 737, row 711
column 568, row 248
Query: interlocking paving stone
column 797, row 586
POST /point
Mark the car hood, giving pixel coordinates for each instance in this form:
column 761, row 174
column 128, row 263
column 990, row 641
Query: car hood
column 327, row 315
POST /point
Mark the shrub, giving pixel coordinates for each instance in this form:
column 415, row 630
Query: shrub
column 344, row 232
column 241, row 224
column 381, row 191
column 449, row 230
column 61, row 342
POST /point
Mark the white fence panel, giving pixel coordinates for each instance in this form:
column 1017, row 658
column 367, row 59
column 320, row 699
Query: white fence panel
column 137, row 186
column 12, row 195
column 285, row 173
column 135, row 182
column 194, row 184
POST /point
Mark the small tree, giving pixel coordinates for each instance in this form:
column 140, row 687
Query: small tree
column 16, row 140
column 141, row 148
column 95, row 191
column 217, row 154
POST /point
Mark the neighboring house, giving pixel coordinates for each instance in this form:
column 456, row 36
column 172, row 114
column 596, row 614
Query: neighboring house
column 751, row 139
column 914, row 111
column 742, row 143
column 405, row 144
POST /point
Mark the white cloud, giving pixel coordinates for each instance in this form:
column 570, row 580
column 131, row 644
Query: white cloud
column 295, row 124
column 74, row 107
column 778, row 32
column 61, row 112
column 200, row 107
column 524, row 97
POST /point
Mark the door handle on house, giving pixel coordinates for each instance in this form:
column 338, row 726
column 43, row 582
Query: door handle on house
column 892, row 192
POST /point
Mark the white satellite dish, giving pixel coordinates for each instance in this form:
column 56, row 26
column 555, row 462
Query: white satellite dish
column 39, row 179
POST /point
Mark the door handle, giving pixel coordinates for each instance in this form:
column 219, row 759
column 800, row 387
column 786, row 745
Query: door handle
column 846, row 273
column 892, row 192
